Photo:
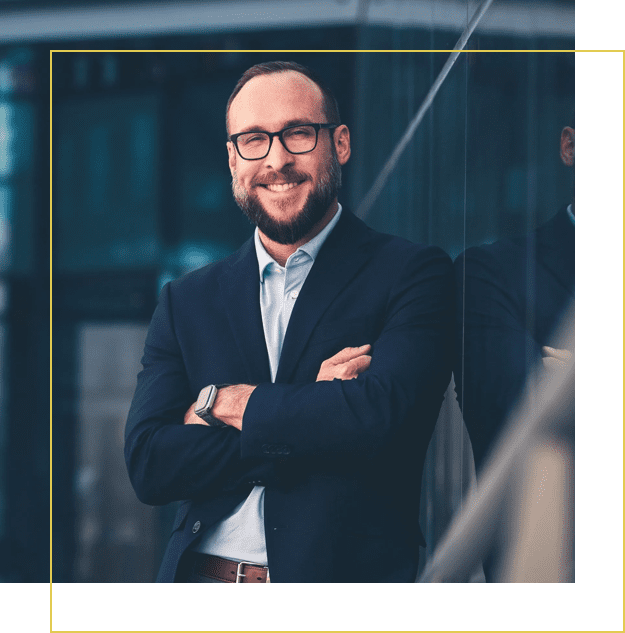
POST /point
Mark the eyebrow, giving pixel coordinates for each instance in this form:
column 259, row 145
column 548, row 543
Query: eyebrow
column 256, row 128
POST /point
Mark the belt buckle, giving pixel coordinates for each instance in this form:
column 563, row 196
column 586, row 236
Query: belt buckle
column 240, row 566
column 239, row 574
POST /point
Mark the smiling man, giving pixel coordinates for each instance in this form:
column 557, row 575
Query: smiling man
column 289, row 392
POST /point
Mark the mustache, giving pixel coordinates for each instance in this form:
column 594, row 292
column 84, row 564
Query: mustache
column 280, row 177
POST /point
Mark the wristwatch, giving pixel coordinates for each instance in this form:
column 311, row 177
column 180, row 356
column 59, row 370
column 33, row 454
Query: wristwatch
column 204, row 405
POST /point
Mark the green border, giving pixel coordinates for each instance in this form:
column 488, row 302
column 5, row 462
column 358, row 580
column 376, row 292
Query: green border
column 594, row 602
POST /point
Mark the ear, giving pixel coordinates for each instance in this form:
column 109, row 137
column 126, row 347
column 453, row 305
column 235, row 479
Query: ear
column 232, row 157
column 341, row 143
column 567, row 146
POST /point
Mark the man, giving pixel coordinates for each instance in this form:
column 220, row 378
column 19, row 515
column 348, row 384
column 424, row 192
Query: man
column 510, row 299
column 328, row 344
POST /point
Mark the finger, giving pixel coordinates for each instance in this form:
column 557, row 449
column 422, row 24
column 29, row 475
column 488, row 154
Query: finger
column 347, row 354
column 351, row 369
column 360, row 364
column 561, row 354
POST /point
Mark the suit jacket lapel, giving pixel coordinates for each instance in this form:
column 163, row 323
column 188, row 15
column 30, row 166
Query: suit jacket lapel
column 240, row 287
column 344, row 252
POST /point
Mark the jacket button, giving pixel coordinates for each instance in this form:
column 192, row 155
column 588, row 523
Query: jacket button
column 196, row 527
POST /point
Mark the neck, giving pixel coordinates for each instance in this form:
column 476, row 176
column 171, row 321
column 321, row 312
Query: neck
column 281, row 252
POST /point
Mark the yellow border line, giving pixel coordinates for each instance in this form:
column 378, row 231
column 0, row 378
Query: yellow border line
column 416, row 50
column 281, row 51
column 50, row 229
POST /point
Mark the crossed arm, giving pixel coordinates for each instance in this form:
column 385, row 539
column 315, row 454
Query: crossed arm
column 323, row 420
column 231, row 401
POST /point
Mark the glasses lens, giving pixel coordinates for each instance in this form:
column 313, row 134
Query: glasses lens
column 253, row 145
column 300, row 139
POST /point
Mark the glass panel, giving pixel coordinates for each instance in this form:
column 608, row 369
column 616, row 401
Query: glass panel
column 16, row 190
column 118, row 537
column 3, row 425
column 106, row 191
column 211, row 226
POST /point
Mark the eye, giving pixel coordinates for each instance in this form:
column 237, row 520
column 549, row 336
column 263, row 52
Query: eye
column 248, row 139
column 300, row 132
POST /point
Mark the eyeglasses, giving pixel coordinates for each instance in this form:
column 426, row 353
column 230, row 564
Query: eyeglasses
column 296, row 139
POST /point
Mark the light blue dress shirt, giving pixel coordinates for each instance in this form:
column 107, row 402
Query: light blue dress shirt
column 241, row 535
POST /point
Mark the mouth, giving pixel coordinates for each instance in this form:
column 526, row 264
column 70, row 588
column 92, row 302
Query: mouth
column 279, row 188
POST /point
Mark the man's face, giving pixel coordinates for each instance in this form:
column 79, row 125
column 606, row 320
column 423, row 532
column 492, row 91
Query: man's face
column 285, row 195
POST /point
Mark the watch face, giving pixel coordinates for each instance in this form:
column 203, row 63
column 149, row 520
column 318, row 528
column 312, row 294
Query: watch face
column 204, row 399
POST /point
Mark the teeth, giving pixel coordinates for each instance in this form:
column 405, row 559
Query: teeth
column 285, row 187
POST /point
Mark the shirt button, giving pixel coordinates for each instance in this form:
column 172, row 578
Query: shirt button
column 196, row 527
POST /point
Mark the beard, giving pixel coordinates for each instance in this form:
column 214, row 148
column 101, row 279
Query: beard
column 314, row 209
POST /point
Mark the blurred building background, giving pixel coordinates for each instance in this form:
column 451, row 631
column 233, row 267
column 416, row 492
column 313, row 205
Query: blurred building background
column 24, row 315
column 141, row 194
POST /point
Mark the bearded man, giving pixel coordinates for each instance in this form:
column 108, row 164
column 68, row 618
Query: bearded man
column 289, row 392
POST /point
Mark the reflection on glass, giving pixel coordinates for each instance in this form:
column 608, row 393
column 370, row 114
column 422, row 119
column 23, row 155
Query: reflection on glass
column 116, row 534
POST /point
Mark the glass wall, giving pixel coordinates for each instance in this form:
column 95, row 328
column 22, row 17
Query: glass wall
column 24, row 318
column 142, row 195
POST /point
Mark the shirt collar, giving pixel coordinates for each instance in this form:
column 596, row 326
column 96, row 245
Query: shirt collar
column 311, row 248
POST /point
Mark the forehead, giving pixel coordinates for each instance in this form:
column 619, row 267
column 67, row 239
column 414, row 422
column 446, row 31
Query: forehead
column 271, row 101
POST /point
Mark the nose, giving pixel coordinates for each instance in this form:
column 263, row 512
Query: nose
column 278, row 157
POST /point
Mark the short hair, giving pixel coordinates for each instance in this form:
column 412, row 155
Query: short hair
column 330, row 105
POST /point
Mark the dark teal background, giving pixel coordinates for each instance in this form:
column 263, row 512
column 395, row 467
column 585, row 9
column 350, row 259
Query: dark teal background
column 594, row 602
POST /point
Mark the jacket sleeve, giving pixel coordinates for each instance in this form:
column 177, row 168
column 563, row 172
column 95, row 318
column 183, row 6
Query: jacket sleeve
column 410, row 367
column 167, row 460
column 494, row 349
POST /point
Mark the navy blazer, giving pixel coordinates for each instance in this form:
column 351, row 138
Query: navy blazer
column 341, row 461
column 511, row 296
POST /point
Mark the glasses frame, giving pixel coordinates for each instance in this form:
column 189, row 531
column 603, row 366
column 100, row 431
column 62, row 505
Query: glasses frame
column 317, row 126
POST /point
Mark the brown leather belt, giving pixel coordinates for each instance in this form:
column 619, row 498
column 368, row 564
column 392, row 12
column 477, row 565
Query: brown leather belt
column 228, row 570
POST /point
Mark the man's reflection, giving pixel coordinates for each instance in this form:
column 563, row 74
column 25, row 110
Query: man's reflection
column 511, row 296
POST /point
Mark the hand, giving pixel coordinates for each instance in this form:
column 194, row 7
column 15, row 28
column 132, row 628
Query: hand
column 346, row 365
column 230, row 403
column 554, row 359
